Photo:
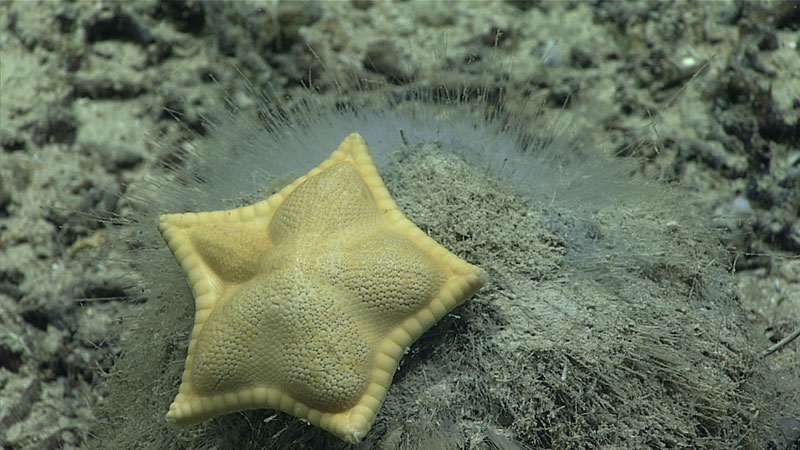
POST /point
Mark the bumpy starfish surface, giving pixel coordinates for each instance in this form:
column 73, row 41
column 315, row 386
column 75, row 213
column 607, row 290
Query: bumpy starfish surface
column 306, row 301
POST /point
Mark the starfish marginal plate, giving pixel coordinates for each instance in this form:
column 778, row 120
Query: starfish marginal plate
column 306, row 301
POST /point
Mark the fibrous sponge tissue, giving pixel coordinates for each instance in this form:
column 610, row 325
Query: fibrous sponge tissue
column 605, row 298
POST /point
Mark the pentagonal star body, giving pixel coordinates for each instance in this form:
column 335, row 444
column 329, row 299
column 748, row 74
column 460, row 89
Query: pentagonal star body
column 306, row 301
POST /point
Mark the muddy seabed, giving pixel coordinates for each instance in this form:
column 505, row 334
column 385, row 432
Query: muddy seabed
column 632, row 323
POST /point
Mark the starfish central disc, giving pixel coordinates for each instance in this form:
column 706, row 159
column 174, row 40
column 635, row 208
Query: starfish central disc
column 306, row 301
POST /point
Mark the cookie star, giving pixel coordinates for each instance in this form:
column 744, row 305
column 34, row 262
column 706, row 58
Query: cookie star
column 306, row 301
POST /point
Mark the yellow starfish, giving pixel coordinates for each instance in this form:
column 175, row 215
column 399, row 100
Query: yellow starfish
column 306, row 301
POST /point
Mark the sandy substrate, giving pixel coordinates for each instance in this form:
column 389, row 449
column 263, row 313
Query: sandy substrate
column 656, row 313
